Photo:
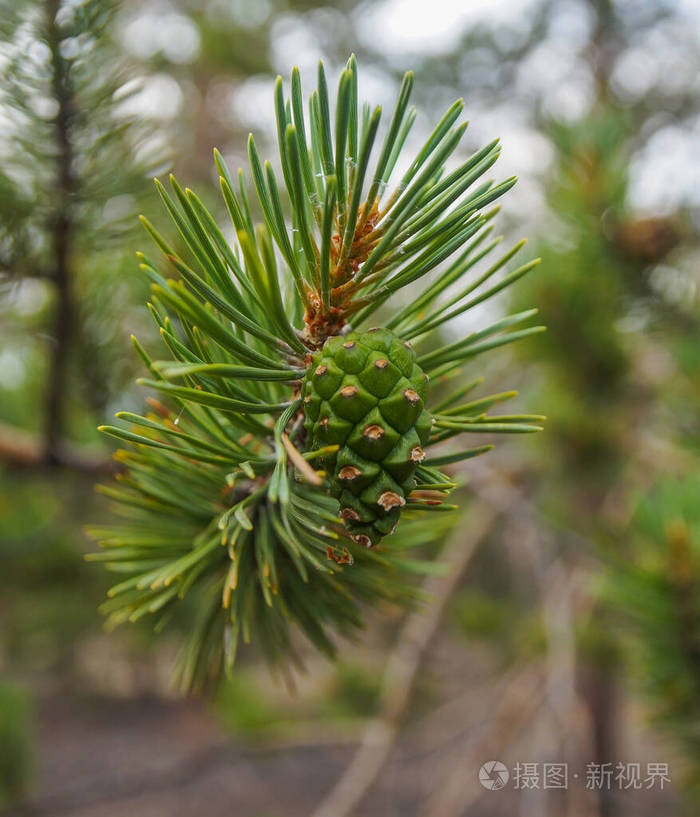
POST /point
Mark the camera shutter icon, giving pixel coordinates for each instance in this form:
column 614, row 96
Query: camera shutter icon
column 494, row 775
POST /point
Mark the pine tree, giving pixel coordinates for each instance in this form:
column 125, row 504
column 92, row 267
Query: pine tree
column 74, row 164
column 612, row 266
column 295, row 435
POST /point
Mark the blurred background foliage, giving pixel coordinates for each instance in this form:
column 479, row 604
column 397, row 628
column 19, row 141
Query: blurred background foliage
column 598, row 106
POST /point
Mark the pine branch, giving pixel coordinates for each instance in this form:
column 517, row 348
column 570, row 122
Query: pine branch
column 293, row 441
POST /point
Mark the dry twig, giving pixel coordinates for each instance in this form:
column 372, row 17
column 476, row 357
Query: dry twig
column 402, row 668
column 22, row 449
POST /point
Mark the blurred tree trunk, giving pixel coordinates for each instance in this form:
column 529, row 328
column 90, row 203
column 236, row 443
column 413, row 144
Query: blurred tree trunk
column 62, row 235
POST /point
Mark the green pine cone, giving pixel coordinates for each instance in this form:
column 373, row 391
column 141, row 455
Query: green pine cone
column 366, row 393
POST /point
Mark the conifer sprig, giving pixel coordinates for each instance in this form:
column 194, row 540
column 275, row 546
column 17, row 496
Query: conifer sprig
column 224, row 495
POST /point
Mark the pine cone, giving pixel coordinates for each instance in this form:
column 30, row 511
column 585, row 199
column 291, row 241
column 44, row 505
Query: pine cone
column 365, row 392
